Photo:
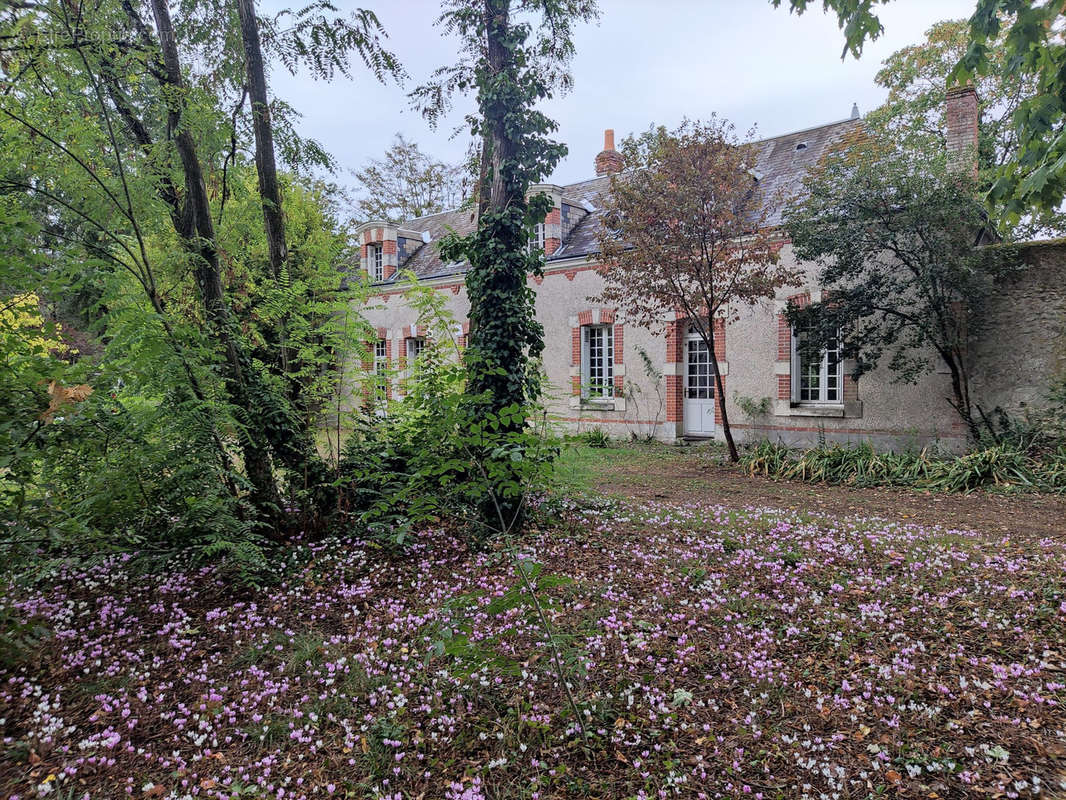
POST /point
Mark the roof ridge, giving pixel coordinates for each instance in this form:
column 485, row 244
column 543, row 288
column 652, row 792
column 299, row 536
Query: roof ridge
column 766, row 139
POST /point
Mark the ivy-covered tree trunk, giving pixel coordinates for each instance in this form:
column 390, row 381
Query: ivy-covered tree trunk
column 511, row 76
column 504, row 331
column 502, row 324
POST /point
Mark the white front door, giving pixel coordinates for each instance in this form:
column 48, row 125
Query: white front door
column 699, row 388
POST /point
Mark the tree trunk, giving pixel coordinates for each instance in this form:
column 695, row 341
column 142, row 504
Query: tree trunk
column 960, row 390
column 719, row 392
column 198, row 232
column 496, row 283
column 266, row 167
column 499, row 329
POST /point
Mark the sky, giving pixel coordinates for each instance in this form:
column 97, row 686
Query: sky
column 645, row 62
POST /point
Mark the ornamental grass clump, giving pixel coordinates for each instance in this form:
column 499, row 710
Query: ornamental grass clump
column 996, row 466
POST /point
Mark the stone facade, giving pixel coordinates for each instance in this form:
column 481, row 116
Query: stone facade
column 1021, row 349
column 643, row 378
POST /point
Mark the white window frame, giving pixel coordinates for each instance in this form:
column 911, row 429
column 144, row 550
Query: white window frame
column 830, row 368
column 693, row 336
column 597, row 363
column 536, row 242
column 381, row 373
column 413, row 348
column 375, row 260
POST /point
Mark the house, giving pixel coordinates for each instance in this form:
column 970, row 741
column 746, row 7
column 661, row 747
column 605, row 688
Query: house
column 606, row 372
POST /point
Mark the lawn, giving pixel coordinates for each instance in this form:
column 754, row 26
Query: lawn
column 712, row 651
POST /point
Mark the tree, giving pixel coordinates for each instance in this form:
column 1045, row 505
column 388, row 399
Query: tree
column 197, row 232
column 408, row 183
column 917, row 78
column 685, row 231
column 265, row 163
column 904, row 266
column 1025, row 35
column 511, row 74
column 111, row 128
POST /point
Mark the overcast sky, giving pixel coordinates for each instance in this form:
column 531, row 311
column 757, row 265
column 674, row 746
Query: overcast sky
column 646, row 61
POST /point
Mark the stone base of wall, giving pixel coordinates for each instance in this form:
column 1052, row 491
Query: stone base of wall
column 880, row 440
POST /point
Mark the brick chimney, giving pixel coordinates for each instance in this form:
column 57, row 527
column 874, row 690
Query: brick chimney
column 609, row 160
column 960, row 112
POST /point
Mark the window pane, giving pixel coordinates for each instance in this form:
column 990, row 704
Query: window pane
column 819, row 376
column 599, row 360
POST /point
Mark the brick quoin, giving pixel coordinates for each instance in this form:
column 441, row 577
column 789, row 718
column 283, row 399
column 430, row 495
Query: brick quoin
column 388, row 247
column 674, row 341
column 784, row 387
column 551, row 244
column 719, row 339
column 784, row 345
column 674, row 401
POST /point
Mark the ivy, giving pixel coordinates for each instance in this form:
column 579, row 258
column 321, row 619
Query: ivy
column 511, row 70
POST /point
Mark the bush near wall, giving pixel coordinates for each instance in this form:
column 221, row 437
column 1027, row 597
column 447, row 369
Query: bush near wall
column 997, row 466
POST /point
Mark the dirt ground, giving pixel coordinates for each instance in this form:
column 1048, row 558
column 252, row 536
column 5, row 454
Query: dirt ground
column 690, row 476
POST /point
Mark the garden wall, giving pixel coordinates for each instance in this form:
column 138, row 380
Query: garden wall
column 1022, row 348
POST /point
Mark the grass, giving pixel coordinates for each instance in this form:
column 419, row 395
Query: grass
column 580, row 468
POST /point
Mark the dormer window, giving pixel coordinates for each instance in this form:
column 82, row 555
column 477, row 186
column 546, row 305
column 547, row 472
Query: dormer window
column 536, row 241
column 375, row 262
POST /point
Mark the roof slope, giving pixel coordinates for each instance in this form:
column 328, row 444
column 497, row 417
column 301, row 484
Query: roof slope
column 780, row 169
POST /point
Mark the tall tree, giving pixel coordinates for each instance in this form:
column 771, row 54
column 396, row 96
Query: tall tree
column 265, row 163
column 407, row 183
column 197, row 231
column 917, row 78
column 1027, row 36
column 899, row 239
column 685, row 231
column 118, row 67
column 511, row 73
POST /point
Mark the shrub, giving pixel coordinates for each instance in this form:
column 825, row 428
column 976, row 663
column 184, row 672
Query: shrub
column 439, row 453
column 596, row 437
column 994, row 466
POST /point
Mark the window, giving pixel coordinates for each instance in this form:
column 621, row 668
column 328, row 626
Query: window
column 816, row 378
column 381, row 372
column 597, row 361
column 375, row 262
column 536, row 242
column 415, row 346
column 699, row 383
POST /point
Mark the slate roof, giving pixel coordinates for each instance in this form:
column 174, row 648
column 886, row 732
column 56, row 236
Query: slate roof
column 780, row 168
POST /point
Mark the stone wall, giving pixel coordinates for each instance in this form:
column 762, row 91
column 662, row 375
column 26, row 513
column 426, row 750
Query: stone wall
column 1022, row 346
column 1021, row 350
